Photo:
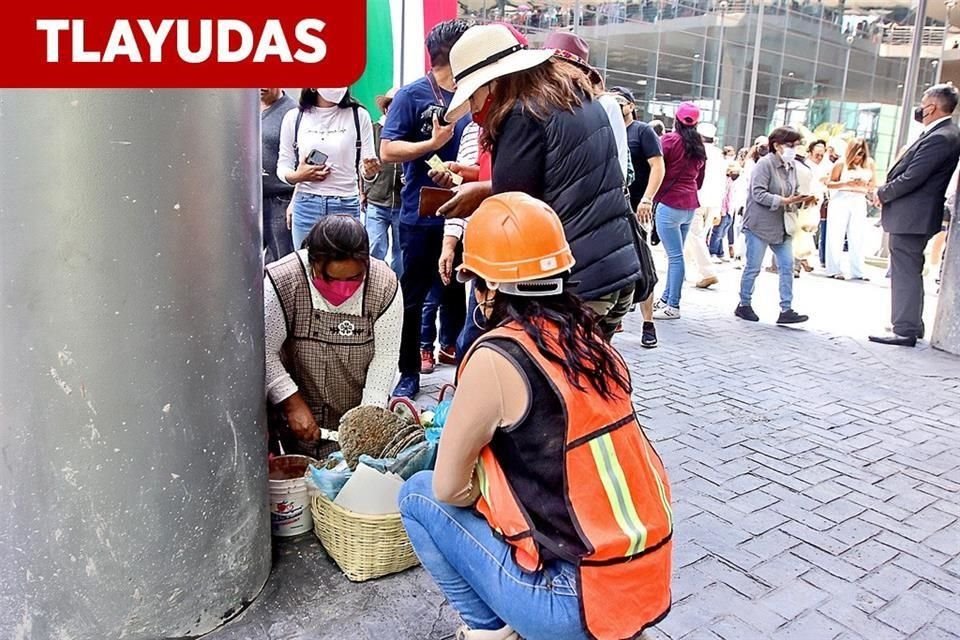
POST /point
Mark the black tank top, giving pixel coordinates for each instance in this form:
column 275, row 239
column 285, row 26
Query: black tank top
column 531, row 454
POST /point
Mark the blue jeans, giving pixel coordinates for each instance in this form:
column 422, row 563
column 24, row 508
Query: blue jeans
column 756, row 250
column 672, row 226
column 718, row 234
column 449, row 328
column 310, row 207
column 276, row 237
column 822, row 241
column 478, row 575
column 383, row 230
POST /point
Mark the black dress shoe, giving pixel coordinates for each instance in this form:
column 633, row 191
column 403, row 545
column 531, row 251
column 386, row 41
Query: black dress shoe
column 894, row 339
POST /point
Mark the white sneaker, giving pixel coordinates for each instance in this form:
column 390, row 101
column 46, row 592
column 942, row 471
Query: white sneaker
column 506, row 633
column 666, row 312
column 659, row 304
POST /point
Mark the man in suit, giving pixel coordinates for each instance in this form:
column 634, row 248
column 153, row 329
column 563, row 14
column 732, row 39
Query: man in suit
column 913, row 201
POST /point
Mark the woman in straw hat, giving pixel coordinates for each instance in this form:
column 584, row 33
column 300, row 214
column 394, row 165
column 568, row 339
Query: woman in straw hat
column 551, row 138
column 548, row 515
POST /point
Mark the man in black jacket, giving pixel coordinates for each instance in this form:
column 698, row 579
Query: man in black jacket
column 913, row 201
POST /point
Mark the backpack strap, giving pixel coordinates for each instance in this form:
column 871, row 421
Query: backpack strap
column 356, row 124
column 296, row 136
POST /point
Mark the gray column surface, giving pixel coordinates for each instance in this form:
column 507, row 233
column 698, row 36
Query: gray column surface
column 946, row 325
column 132, row 445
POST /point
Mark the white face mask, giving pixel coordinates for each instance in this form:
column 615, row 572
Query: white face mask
column 333, row 95
column 788, row 154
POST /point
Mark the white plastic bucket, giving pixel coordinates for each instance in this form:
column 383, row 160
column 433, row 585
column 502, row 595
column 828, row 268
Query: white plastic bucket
column 289, row 502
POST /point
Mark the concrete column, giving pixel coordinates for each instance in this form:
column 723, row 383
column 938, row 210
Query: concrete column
column 946, row 325
column 132, row 446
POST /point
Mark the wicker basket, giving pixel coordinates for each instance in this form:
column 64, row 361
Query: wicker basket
column 364, row 547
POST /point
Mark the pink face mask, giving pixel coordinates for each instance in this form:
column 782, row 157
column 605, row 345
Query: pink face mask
column 336, row 292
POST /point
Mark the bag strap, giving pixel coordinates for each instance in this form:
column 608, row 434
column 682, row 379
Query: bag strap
column 356, row 124
column 296, row 136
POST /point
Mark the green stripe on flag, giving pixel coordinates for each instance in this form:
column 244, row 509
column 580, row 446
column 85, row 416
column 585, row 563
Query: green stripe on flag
column 377, row 78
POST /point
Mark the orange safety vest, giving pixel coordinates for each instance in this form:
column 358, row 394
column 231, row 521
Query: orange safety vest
column 616, row 493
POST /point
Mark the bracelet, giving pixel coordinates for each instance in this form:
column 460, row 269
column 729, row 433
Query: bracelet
column 646, row 200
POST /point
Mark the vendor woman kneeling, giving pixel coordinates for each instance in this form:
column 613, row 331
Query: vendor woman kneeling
column 333, row 318
column 548, row 515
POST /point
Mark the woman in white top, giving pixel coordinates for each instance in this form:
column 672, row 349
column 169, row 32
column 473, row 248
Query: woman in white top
column 325, row 146
column 851, row 180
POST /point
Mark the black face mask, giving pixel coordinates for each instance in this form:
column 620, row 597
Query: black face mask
column 763, row 150
column 918, row 114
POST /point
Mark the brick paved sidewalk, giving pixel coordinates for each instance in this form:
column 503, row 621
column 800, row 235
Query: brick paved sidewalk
column 816, row 477
column 815, row 481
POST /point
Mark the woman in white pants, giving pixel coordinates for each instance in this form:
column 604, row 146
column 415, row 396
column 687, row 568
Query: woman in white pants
column 851, row 180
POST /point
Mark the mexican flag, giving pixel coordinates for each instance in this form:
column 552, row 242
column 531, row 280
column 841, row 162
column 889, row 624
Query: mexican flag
column 396, row 30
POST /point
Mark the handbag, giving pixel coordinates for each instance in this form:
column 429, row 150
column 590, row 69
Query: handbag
column 643, row 287
column 790, row 221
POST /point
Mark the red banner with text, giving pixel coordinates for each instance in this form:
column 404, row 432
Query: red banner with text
column 180, row 43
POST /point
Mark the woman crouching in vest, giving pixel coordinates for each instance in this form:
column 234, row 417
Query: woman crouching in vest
column 548, row 515
column 333, row 318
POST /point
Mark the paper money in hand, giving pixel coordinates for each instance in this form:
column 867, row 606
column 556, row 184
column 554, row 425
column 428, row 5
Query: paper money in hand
column 438, row 165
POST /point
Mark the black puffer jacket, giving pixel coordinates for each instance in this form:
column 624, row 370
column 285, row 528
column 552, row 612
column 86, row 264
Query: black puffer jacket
column 570, row 162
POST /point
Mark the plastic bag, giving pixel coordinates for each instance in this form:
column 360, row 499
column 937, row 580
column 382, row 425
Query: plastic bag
column 418, row 457
column 331, row 476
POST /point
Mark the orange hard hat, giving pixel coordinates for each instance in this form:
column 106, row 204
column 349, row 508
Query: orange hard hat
column 513, row 237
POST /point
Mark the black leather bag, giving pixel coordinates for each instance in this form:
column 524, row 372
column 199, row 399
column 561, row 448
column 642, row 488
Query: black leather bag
column 648, row 272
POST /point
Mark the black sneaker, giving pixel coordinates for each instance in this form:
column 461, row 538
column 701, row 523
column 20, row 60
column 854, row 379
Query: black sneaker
column 648, row 340
column 791, row 317
column 746, row 312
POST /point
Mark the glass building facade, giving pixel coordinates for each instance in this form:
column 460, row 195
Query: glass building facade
column 750, row 66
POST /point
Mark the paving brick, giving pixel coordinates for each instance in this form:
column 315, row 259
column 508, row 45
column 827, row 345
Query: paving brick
column 870, row 554
column 889, row 581
column 752, row 501
column 853, row 618
column 945, row 541
column 745, row 584
column 795, row 598
column 942, row 597
column 844, row 590
column 810, row 625
column 853, row 531
column 908, row 613
column 831, row 564
column 839, row 510
column 770, row 544
column 781, row 570
column 732, row 628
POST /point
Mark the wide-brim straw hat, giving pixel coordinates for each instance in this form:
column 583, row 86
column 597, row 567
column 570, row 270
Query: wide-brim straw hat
column 482, row 54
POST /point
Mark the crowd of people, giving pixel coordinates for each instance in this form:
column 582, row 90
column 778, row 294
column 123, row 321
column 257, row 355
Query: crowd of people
column 515, row 172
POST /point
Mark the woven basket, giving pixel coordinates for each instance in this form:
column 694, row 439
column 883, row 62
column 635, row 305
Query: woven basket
column 364, row 547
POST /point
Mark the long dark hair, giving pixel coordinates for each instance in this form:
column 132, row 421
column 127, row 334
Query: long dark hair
column 580, row 349
column 555, row 85
column 337, row 237
column 692, row 142
column 308, row 100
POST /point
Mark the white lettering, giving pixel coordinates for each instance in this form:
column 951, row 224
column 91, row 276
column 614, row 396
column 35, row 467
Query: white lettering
column 122, row 42
column 155, row 37
column 183, row 41
column 53, row 29
column 272, row 43
column 312, row 47
column 79, row 53
column 224, row 29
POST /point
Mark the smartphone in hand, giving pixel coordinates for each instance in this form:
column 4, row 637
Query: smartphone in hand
column 316, row 158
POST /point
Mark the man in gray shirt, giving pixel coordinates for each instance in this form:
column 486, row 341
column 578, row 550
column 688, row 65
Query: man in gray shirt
column 277, row 240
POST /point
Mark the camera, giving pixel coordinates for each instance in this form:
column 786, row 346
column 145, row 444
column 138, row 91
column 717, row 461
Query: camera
column 426, row 118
